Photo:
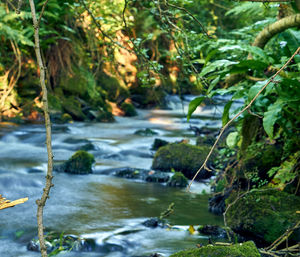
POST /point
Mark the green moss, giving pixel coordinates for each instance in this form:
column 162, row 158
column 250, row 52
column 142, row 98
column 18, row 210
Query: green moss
column 247, row 249
column 178, row 180
column 115, row 92
column 73, row 107
column 260, row 157
column 65, row 118
column 80, row 163
column 265, row 214
column 206, row 140
column 54, row 103
column 128, row 109
column 181, row 157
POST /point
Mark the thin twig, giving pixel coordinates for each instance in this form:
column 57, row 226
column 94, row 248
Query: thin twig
column 237, row 115
column 42, row 12
column 41, row 202
column 190, row 14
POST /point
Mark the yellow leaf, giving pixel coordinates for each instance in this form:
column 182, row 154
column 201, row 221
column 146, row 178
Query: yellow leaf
column 7, row 203
column 192, row 230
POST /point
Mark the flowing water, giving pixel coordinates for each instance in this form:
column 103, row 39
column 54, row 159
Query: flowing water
column 101, row 206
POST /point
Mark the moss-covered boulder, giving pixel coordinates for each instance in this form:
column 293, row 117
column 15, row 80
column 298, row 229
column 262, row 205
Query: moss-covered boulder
column 178, row 180
column 182, row 157
column 80, row 163
column 264, row 215
column 129, row 109
column 247, row 249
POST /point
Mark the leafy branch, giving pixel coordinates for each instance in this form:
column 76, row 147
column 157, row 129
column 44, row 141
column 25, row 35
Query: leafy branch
column 204, row 165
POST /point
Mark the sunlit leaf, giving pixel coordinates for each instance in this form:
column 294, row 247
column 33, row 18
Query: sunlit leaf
column 193, row 106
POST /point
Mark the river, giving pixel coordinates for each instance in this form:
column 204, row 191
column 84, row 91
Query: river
column 101, row 206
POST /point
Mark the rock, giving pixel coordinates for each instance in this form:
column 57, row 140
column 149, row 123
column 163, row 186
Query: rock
column 217, row 202
column 214, row 231
column 182, row 157
column 247, row 249
column 145, row 132
column 87, row 147
column 178, row 180
column 153, row 223
column 129, row 109
column 130, row 173
column 80, row 163
column 157, row 177
column 264, row 215
column 158, row 143
column 146, row 175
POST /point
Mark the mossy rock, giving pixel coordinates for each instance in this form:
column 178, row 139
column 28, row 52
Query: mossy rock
column 128, row 109
column 263, row 215
column 80, row 163
column 105, row 116
column 73, row 107
column 178, row 180
column 182, row 157
column 115, row 91
column 54, row 103
column 66, row 118
column 247, row 249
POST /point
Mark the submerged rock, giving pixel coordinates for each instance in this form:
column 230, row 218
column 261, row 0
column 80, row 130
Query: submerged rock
column 214, row 231
column 145, row 132
column 178, row 180
column 153, row 223
column 247, row 249
column 264, row 215
column 80, row 163
column 142, row 174
column 182, row 157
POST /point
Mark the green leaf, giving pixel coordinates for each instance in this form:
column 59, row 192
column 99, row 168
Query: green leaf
column 225, row 117
column 216, row 65
column 193, row 106
column 232, row 139
column 247, row 65
column 271, row 116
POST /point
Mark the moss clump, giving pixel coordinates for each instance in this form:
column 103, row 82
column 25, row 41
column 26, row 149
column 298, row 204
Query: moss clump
column 182, row 157
column 80, row 163
column 178, row 180
column 247, row 249
column 66, row 118
column 264, row 215
column 128, row 109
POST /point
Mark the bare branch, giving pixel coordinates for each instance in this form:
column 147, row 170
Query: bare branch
column 41, row 202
